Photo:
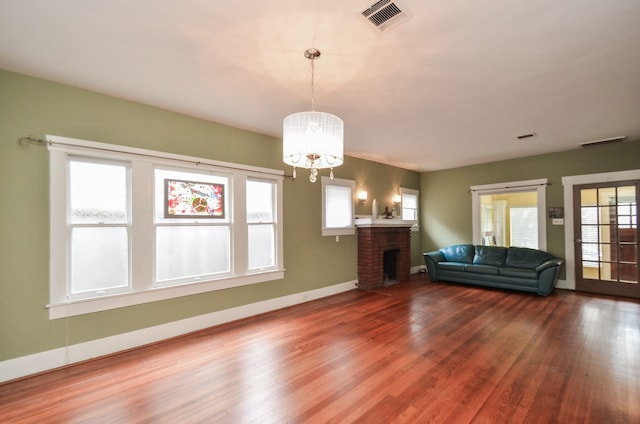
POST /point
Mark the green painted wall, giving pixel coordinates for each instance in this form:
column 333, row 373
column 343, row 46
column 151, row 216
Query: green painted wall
column 382, row 182
column 33, row 107
column 446, row 199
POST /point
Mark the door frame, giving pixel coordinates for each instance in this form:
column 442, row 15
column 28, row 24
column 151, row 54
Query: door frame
column 569, row 246
column 610, row 287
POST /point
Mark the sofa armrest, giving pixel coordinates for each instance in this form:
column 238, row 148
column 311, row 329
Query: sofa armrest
column 548, row 275
column 431, row 260
column 436, row 256
column 548, row 264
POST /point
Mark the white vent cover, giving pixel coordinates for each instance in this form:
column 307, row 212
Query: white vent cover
column 603, row 141
column 385, row 14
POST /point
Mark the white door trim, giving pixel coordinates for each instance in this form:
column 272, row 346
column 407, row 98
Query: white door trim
column 569, row 182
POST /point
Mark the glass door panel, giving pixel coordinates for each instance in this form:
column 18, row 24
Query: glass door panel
column 607, row 247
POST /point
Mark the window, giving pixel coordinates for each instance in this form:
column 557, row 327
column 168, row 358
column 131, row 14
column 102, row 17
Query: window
column 261, row 224
column 337, row 207
column 147, row 226
column 523, row 227
column 99, row 224
column 190, row 248
column 409, row 199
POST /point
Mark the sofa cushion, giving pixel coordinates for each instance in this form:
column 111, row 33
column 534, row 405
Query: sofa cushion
column 482, row 269
column 522, row 257
column 490, row 255
column 519, row 272
column 459, row 253
column 451, row 266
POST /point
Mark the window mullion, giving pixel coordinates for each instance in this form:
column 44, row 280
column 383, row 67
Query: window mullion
column 141, row 226
column 239, row 228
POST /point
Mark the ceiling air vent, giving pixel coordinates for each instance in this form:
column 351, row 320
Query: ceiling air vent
column 385, row 14
column 603, row 141
column 527, row 135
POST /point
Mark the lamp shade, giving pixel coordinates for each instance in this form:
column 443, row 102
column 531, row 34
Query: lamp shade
column 313, row 140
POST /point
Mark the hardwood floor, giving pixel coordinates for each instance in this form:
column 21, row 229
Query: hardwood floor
column 416, row 352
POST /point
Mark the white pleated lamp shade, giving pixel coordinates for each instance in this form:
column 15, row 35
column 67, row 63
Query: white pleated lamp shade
column 313, row 140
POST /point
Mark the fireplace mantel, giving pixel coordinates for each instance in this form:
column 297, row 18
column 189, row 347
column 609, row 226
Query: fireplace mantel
column 379, row 222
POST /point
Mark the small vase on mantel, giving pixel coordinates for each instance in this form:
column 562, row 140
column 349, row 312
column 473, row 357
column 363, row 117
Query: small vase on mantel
column 374, row 209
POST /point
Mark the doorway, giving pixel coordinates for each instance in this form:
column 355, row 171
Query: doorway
column 510, row 214
column 606, row 238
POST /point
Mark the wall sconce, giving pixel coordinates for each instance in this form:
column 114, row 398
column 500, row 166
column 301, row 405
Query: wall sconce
column 362, row 196
column 397, row 199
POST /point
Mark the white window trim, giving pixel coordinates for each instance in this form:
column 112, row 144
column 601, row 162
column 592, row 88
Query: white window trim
column 539, row 186
column 277, row 193
column 410, row 191
column 61, row 147
column 343, row 231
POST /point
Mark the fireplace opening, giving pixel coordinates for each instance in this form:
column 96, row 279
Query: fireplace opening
column 390, row 267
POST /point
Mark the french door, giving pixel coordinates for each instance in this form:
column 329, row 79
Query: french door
column 606, row 245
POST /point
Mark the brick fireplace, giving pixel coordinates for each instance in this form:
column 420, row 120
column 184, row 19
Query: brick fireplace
column 384, row 253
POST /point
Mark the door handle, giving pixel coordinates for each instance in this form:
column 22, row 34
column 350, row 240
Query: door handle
column 578, row 240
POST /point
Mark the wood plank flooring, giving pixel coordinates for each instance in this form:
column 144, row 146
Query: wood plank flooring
column 416, row 352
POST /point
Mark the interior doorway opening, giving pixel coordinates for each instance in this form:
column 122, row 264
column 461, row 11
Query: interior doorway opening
column 510, row 214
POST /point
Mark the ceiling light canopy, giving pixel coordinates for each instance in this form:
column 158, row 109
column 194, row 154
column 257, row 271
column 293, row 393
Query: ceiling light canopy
column 313, row 140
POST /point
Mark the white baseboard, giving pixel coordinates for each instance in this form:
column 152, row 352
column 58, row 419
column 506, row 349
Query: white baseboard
column 51, row 359
column 564, row 284
column 417, row 269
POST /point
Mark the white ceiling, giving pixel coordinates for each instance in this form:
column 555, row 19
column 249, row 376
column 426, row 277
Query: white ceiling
column 453, row 85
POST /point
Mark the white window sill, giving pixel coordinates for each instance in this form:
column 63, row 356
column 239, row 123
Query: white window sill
column 121, row 300
column 338, row 231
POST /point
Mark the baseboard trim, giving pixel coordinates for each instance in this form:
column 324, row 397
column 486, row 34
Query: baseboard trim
column 417, row 269
column 44, row 361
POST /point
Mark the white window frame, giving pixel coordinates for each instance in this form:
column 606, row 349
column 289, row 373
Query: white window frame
column 161, row 221
column 126, row 225
column 411, row 192
column 350, row 229
column 275, row 195
column 539, row 186
column 143, row 163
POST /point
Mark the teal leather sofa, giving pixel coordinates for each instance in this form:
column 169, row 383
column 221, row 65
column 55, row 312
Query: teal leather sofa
column 515, row 268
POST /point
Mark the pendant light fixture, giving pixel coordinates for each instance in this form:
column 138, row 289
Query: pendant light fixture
column 313, row 140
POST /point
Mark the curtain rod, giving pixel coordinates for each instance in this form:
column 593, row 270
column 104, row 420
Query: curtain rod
column 507, row 187
column 25, row 141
